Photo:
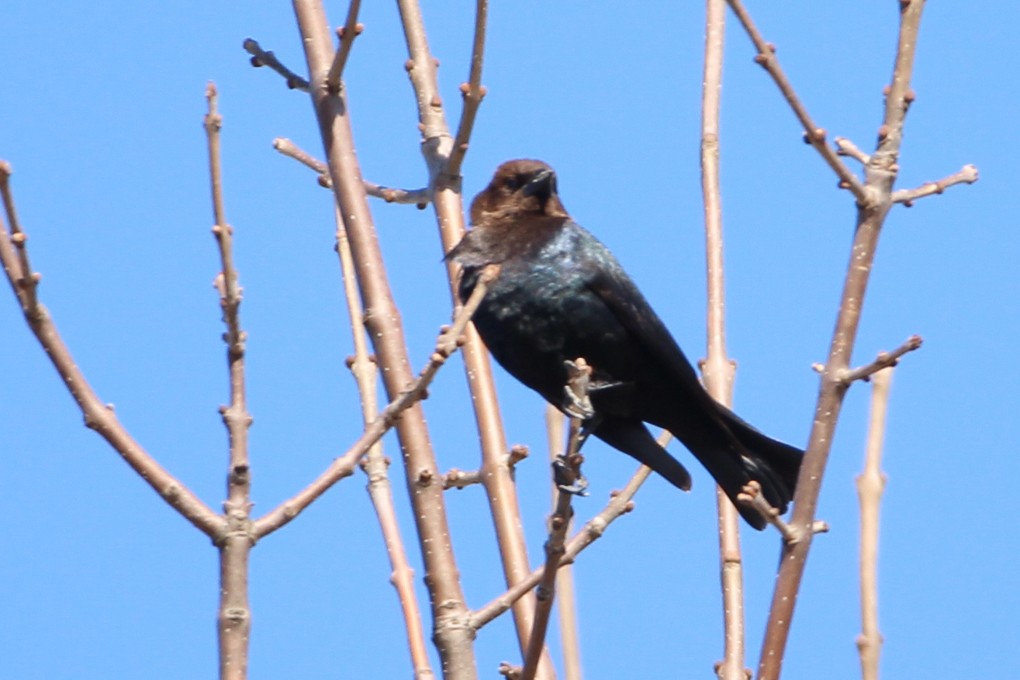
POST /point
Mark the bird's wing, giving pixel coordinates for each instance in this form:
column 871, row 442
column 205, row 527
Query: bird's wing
column 610, row 283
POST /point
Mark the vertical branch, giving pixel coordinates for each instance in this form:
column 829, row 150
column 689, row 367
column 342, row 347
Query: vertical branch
column 870, row 485
column 717, row 369
column 452, row 636
column 375, row 464
column 235, row 545
column 447, row 201
column 571, row 647
column 880, row 174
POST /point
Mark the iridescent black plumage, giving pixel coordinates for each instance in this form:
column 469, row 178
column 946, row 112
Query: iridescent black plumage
column 561, row 295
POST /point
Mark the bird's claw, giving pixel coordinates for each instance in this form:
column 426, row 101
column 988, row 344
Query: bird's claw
column 568, row 478
column 577, row 407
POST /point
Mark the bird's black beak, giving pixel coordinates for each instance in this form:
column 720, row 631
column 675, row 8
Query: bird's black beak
column 542, row 186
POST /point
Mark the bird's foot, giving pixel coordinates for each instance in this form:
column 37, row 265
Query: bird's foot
column 576, row 403
column 567, row 475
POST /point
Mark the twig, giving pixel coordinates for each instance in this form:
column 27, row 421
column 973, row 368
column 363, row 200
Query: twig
column 718, row 369
column 870, row 485
column 382, row 321
column 375, row 465
column 883, row 360
column 967, row 175
column 473, row 92
column 24, row 280
column 418, row 197
column 234, row 619
column 579, row 373
column 446, row 344
column 260, row 57
column 347, row 33
column 813, row 134
column 459, row 479
column 752, row 497
column 844, row 147
column 567, row 609
column 447, row 202
column 98, row 416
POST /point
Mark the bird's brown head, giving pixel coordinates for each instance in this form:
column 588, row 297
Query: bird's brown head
column 520, row 188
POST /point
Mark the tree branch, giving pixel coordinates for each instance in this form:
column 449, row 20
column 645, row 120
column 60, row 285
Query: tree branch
column 967, row 175
column 883, row 360
column 473, row 92
column 98, row 416
column 347, row 33
column 260, row 57
column 813, row 134
column 446, row 344
column 870, row 485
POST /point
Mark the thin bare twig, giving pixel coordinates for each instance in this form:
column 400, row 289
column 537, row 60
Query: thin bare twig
column 418, row 197
column 870, row 486
column 813, row 134
column 751, row 496
column 347, row 33
column 98, row 416
column 718, row 369
column 569, row 644
column 234, row 619
column 967, row 175
column 559, row 522
column 883, row 360
column 448, row 204
column 260, row 57
column 473, row 92
column 343, row 466
column 375, row 465
column 844, row 147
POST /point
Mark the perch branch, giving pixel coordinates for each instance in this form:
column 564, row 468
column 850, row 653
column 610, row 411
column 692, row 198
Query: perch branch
column 347, row 33
column 813, row 134
column 98, row 416
column 967, row 175
column 260, row 57
column 446, row 344
column 870, row 486
column 844, row 147
column 559, row 522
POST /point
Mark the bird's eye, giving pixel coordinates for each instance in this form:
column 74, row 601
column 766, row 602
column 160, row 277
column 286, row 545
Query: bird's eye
column 511, row 183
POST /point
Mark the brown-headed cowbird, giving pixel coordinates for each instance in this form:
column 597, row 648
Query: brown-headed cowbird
column 560, row 296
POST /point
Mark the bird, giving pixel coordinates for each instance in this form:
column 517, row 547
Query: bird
column 561, row 295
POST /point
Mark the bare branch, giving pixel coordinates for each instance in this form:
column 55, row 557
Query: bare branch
column 98, row 416
column 473, row 92
column 459, row 479
column 967, row 175
column 347, row 33
column 418, row 197
column 883, row 360
column 234, row 619
column 260, row 57
column 752, row 497
column 813, row 134
column 375, row 465
column 718, row 369
column 870, row 486
column 579, row 373
column 844, row 147
column 446, row 344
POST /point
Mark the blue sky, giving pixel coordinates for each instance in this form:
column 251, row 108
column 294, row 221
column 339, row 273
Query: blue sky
column 100, row 115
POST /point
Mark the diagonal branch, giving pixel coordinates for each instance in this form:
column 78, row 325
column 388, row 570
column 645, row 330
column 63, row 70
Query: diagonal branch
column 813, row 134
column 446, row 344
column 473, row 92
column 260, row 57
column 347, row 33
column 967, row 175
column 419, row 197
column 98, row 416
column 883, row 360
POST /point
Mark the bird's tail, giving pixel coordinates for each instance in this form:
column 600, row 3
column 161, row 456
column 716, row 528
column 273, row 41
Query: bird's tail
column 771, row 463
